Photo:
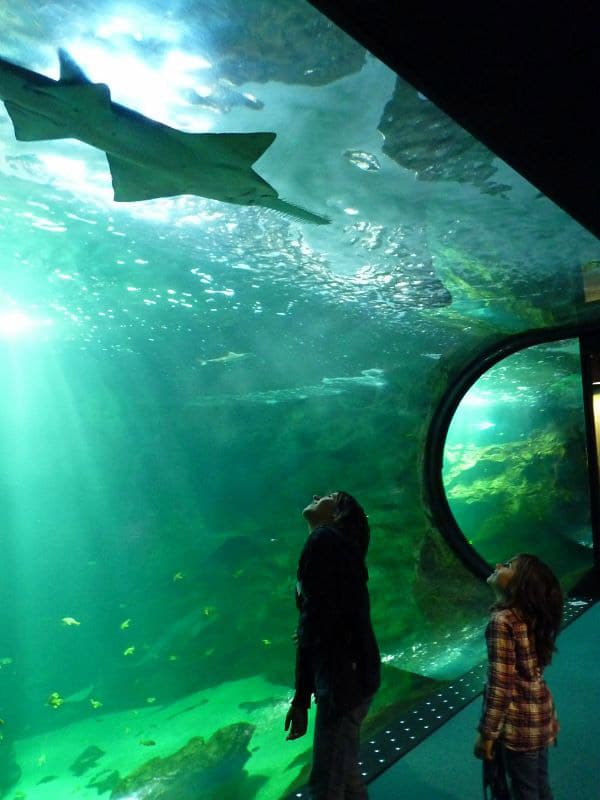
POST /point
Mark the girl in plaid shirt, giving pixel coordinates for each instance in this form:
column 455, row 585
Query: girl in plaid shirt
column 518, row 720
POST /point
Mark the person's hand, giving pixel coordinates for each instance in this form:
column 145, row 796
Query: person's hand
column 483, row 748
column 297, row 722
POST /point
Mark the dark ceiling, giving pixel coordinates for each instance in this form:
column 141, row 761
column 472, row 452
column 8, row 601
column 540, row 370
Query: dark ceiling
column 524, row 78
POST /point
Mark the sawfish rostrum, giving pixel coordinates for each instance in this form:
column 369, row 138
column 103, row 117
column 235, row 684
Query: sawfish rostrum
column 146, row 158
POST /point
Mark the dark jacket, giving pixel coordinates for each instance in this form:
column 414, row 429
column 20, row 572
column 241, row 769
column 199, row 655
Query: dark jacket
column 337, row 657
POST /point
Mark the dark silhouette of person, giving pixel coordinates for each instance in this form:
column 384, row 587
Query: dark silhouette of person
column 337, row 657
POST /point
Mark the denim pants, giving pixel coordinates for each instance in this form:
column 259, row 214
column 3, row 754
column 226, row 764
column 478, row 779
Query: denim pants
column 528, row 774
column 335, row 773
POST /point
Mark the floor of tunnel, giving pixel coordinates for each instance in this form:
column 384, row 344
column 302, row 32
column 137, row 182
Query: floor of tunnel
column 443, row 767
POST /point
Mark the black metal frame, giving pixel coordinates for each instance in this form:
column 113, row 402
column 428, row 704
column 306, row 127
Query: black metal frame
column 589, row 346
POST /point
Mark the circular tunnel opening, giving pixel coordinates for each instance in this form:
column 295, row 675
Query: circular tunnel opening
column 512, row 471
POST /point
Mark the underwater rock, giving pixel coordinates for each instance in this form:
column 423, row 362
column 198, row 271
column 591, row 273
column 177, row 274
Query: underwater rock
column 87, row 760
column 104, row 781
column 423, row 139
column 284, row 41
column 531, row 489
column 443, row 587
column 10, row 771
column 212, row 770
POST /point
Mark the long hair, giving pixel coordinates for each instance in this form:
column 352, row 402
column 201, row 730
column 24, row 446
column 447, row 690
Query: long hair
column 535, row 592
column 351, row 519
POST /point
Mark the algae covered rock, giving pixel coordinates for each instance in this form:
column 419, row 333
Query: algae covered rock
column 212, row 770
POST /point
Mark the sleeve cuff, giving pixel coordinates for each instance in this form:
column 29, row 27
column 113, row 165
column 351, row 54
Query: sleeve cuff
column 301, row 699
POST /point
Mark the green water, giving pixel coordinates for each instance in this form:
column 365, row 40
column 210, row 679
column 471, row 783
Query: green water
column 180, row 375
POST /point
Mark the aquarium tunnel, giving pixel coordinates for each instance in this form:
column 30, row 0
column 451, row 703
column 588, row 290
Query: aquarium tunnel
column 246, row 257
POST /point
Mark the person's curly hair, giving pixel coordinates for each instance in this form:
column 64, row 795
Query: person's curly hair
column 535, row 592
column 352, row 521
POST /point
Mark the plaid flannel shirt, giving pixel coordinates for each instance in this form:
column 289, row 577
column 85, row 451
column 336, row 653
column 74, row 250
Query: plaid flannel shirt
column 518, row 708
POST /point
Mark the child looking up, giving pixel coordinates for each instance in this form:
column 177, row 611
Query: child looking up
column 519, row 721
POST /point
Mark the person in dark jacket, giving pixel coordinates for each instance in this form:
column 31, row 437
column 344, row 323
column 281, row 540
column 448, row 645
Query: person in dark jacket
column 337, row 657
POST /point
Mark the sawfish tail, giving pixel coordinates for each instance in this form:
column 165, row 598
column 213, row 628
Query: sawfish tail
column 292, row 210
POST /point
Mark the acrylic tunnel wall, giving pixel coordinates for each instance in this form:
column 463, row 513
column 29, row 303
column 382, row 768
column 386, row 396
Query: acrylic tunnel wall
column 179, row 374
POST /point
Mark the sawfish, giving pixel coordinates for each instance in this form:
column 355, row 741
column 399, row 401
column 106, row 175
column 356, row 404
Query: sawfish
column 147, row 159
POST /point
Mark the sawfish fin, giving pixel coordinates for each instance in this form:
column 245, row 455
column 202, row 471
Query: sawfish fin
column 90, row 99
column 70, row 71
column 132, row 182
column 31, row 127
column 248, row 147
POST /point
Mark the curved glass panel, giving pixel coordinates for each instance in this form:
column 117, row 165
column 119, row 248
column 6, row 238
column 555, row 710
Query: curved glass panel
column 184, row 365
column 515, row 469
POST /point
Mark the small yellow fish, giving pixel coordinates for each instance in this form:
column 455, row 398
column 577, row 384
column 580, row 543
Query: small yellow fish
column 151, row 700
column 173, row 658
column 148, row 742
column 41, row 761
column 4, row 662
column 70, row 621
column 55, row 700
column 95, row 703
column 129, row 651
column 125, row 624
column 179, row 576
column 266, row 642
column 208, row 611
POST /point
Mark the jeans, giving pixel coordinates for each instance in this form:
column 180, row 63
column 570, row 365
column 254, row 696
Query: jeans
column 335, row 773
column 528, row 773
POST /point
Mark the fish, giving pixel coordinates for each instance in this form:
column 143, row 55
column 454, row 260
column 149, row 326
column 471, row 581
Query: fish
column 148, row 742
column 179, row 576
column 70, row 621
column 125, row 624
column 129, row 651
column 146, row 158
column 55, row 700
column 222, row 96
column 95, row 703
column 228, row 358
